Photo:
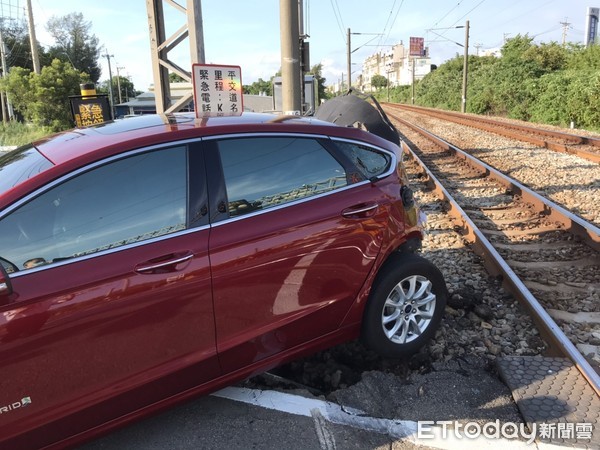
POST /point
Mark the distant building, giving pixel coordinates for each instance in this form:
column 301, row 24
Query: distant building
column 396, row 65
column 145, row 103
column 591, row 26
column 497, row 52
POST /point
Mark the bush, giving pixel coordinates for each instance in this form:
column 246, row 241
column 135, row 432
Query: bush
column 544, row 83
column 16, row 133
column 44, row 99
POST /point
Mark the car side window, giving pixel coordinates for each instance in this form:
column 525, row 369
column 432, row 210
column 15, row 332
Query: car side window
column 264, row 172
column 368, row 161
column 119, row 203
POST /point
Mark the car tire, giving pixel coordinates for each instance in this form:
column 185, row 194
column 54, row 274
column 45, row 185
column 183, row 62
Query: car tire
column 405, row 306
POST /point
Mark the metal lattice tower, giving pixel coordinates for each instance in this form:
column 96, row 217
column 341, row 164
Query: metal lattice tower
column 161, row 45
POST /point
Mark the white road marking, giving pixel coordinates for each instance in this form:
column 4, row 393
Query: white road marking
column 322, row 411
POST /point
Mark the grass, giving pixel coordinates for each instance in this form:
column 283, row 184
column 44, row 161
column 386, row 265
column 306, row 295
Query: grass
column 17, row 133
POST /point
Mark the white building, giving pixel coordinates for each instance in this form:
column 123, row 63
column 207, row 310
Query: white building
column 396, row 65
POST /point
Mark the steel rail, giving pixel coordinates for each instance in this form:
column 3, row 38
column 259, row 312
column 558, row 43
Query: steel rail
column 513, row 131
column 573, row 223
column 559, row 343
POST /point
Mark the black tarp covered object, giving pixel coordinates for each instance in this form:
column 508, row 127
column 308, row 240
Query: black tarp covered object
column 354, row 110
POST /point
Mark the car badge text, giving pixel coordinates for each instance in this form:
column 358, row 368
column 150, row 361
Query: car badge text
column 15, row 405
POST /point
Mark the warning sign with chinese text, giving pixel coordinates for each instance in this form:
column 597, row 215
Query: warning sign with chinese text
column 217, row 90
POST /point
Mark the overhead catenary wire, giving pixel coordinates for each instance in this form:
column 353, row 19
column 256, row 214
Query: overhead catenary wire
column 338, row 17
column 393, row 22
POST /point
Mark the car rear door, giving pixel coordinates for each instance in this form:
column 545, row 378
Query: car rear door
column 112, row 307
column 295, row 233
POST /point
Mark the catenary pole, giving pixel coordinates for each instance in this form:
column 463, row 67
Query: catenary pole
column 463, row 107
column 349, row 59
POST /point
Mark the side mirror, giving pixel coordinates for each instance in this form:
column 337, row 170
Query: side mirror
column 5, row 285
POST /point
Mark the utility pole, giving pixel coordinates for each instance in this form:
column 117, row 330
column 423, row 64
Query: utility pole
column 290, row 56
column 413, row 81
column 465, row 70
column 478, row 46
column 6, row 110
column 110, row 87
column 566, row 25
column 119, row 84
column 349, row 59
column 32, row 39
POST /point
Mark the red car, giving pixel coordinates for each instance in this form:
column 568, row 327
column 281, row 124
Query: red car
column 150, row 260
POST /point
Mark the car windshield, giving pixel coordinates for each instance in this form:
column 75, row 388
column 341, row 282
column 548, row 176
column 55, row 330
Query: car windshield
column 20, row 165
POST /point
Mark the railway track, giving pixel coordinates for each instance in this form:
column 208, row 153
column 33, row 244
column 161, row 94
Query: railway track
column 583, row 146
column 547, row 257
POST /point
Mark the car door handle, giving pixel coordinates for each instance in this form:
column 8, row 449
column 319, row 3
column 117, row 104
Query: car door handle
column 359, row 211
column 164, row 264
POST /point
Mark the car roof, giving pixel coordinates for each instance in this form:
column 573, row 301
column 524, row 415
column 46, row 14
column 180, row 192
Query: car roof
column 123, row 134
column 73, row 149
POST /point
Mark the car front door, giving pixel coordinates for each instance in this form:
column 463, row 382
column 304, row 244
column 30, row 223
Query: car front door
column 111, row 307
column 296, row 231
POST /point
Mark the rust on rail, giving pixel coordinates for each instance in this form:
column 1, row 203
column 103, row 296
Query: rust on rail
column 514, row 131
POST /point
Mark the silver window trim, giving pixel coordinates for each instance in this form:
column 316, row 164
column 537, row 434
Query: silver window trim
column 289, row 204
column 264, row 134
column 107, row 251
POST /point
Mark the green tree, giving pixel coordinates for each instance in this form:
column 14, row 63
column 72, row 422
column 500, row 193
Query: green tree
column 17, row 85
column 16, row 37
column 378, row 81
column 75, row 44
column 317, row 71
column 174, row 78
column 442, row 87
column 258, row 87
column 44, row 99
column 514, row 48
column 549, row 57
column 128, row 90
column 584, row 58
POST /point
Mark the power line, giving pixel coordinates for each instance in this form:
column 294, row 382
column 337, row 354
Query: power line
column 549, row 30
column 388, row 20
column 446, row 15
column 460, row 19
column 494, row 24
column 393, row 22
column 339, row 20
column 10, row 6
column 469, row 12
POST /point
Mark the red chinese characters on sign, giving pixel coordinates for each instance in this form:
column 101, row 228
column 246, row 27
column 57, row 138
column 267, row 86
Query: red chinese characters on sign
column 417, row 46
column 217, row 90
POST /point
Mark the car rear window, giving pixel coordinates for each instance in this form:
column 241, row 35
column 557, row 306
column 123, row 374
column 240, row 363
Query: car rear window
column 369, row 162
column 19, row 165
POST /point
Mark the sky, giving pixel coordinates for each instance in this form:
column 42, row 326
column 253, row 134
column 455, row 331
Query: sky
column 247, row 32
